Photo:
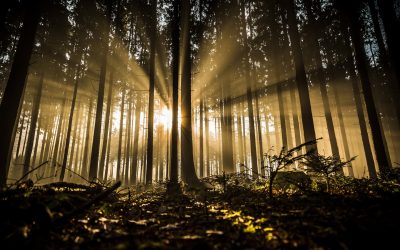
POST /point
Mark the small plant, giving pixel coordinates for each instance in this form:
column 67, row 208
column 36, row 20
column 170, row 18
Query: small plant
column 285, row 158
column 325, row 166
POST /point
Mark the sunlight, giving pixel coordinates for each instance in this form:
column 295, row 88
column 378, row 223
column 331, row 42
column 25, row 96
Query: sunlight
column 163, row 118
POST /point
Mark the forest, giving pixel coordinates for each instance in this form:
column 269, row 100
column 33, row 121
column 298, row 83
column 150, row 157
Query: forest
column 199, row 124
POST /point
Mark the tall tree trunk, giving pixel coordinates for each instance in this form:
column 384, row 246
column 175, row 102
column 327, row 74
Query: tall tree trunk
column 107, row 160
column 128, row 143
column 391, row 26
column 282, row 114
column 35, row 149
column 121, row 128
column 259, row 133
column 188, row 171
column 106, row 125
column 150, row 126
column 69, row 129
column 249, row 94
column 321, row 79
column 94, row 159
column 227, row 143
column 49, row 138
column 175, row 89
column 75, row 134
column 84, row 171
column 384, row 58
column 19, row 131
column 135, row 143
column 296, row 124
column 32, row 126
column 301, row 79
column 12, row 95
column 207, row 135
column 240, row 137
column 55, row 155
column 201, row 153
column 360, row 57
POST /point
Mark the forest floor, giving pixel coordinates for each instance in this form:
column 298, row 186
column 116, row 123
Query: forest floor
column 71, row 216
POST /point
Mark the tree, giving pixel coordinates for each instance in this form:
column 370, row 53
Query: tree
column 301, row 78
column 249, row 94
column 188, row 172
column 150, row 124
column 32, row 126
column 100, row 96
column 325, row 166
column 175, row 88
column 350, row 14
column 70, row 119
column 285, row 158
column 10, row 104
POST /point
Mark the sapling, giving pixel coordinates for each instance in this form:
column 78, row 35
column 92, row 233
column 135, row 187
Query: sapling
column 285, row 158
column 325, row 166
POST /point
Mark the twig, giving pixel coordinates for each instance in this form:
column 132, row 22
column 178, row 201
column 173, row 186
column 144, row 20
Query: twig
column 72, row 171
column 27, row 173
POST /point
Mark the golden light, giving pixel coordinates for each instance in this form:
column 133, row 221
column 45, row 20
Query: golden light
column 164, row 118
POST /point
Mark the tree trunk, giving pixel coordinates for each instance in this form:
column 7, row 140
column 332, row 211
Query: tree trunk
column 391, row 26
column 106, row 125
column 128, row 143
column 249, row 95
column 75, row 140
column 150, row 123
column 384, row 59
column 107, row 161
column 227, row 143
column 201, row 153
column 121, row 128
column 55, row 156
column 207, row 135
column 175, row 89
column 301, row 79
column 296, row 124
column 135, row 143
column 377, row 135
column 188, row 171
column 94, row 159
column 15, row 86
column 321, row 79
column 282, row 114
column 32, row 126
column 84, row 171
column 69, row 129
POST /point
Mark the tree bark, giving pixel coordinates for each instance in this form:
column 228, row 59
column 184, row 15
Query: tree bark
column 84, row 171
column 187, row 162
column 94, row 159
column 175, row 89
column 135, row 143
column 150, row 117
column 360, row 57
column 301, row 79
column 249, row 95
column 321, row 79
column 391, row 26
column 69, row 129
column 16, row 84
column 121, row 128
column 107, row 124
column 32, row 126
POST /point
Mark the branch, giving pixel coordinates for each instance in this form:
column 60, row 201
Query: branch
column 27, row 173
